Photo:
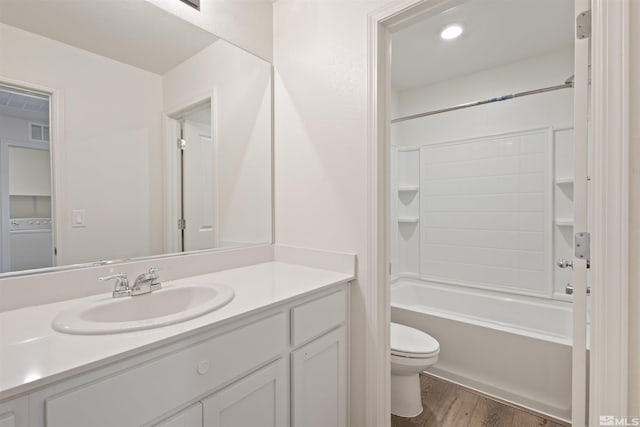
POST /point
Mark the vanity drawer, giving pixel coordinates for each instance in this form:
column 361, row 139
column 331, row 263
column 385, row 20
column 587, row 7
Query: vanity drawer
column 141, row 394
column 317, row 317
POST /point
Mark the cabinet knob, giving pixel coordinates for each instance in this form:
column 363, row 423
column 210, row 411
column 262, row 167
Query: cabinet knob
column 203, row 367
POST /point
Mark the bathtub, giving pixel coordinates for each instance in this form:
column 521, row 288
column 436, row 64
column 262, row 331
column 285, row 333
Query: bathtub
column 515, row 348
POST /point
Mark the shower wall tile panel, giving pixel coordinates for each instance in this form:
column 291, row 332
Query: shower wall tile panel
column 486, row 212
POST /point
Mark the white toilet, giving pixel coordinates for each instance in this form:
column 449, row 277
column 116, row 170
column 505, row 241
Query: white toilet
column 412, row 351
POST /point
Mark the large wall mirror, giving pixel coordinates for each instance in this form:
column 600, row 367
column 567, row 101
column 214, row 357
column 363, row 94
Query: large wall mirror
column 127, row 132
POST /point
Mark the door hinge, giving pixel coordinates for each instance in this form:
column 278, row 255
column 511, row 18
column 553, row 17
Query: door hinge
column 583, row 247
column 182, row 144
column 583, row 25
column 182, row 224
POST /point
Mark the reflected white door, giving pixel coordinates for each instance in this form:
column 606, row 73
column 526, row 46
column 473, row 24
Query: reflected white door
column 580, row 223
column 198, row 174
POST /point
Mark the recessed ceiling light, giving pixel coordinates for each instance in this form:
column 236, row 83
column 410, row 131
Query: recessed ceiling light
column 451, row 32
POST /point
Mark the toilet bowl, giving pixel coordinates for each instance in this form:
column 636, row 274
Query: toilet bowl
column 412, row 351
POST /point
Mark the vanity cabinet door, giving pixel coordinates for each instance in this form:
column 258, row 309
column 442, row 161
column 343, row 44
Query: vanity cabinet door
column 190, row 417
column 318, row 370
column 260, row 399
column 7, row 420
column 14, row 413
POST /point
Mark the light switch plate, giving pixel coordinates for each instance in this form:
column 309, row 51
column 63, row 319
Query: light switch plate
column 78, row 218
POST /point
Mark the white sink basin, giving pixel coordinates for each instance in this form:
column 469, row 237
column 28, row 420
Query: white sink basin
column 159, row 308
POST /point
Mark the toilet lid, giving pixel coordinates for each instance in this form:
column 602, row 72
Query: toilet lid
column 405, row 339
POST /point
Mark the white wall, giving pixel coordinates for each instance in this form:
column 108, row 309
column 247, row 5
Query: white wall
column 245, row 23
column 551, row 108
column 634, row 215
column 240, row 85
column 111, row 167
column 320, row 57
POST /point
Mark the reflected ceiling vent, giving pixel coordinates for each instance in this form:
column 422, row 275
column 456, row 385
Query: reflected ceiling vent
column 23, row 100
column 193, row 3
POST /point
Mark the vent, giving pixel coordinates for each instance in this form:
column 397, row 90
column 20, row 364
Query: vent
column 193, row 3
column 38, row 132
column 23, row 100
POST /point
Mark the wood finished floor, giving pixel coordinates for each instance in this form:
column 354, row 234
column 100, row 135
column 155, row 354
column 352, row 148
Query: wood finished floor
column 448, row 405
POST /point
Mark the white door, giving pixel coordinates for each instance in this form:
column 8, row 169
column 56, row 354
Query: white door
column 198, row 176
column 257, row 400
column 318, row 382
column 580, row 223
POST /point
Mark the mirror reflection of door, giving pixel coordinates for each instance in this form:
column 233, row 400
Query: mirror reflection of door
column 198, row 175
column 25, row 181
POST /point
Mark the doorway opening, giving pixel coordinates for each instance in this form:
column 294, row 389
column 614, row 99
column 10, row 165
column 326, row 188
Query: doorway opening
column 407, row 213
column 26, row 209
column 197, row 181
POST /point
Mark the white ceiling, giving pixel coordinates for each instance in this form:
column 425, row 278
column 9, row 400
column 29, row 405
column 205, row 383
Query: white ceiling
column 131, row 31
column 23, row 105
column 496, row 32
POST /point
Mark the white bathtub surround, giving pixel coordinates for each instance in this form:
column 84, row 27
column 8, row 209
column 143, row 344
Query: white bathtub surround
column 491, row 212
column 34, row 355
column 516, row 348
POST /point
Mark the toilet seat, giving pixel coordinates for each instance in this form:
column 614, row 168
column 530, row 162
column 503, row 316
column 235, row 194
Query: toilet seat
column 411, row 342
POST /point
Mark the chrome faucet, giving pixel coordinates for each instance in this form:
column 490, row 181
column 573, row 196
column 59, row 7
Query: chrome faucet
column 146, row 282
column 122, row 288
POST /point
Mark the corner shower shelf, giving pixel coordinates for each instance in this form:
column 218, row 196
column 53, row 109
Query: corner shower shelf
column 564, row 222
column 408, row 219
column 564, row 181
column 408, row 188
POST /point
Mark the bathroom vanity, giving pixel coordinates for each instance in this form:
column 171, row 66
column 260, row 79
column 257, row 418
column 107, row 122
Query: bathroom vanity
column 276, row 355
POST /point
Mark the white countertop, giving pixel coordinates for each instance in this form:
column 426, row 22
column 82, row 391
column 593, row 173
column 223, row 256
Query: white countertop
column 33, row 354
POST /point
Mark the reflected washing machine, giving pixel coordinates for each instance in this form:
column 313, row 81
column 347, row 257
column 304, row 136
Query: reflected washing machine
column 30, row 244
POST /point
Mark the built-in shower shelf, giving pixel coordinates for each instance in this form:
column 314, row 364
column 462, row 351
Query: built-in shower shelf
column 408, row 219
column 564, row 181
column 408, row 189
column 564, row 222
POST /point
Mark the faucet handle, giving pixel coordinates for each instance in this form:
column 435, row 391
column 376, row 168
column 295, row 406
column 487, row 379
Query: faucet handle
column 122, row 284
column 121, row 276
column 155, row 278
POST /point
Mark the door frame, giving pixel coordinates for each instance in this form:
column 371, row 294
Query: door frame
column 609, row 188
column 171, row 133
column 57, row 156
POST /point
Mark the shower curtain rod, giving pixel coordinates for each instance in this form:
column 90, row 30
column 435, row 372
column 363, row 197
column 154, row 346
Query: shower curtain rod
column 567, row 84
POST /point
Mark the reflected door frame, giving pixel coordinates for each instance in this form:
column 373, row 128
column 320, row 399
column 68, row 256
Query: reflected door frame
column 56, row 149
column 608, row 386
column 171, row 134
